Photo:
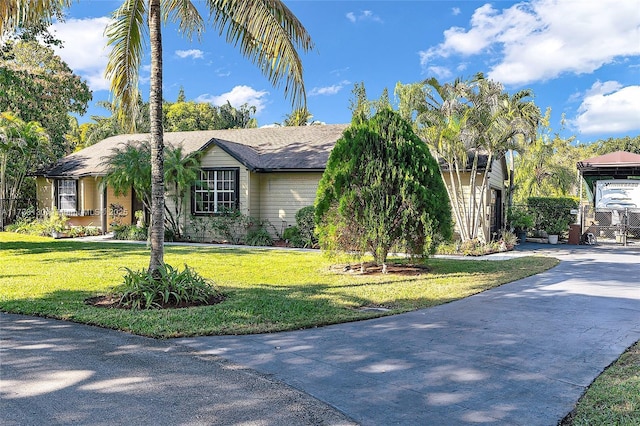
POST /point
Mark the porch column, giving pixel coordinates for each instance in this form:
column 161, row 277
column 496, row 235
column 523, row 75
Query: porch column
column 103, row 207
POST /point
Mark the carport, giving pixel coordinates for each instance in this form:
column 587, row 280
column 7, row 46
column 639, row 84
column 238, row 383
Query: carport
column 620, row 219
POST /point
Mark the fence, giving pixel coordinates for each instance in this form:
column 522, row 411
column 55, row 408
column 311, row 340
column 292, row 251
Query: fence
column 611, row 225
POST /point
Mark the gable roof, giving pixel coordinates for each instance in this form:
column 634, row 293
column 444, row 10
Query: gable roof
column 262, row 150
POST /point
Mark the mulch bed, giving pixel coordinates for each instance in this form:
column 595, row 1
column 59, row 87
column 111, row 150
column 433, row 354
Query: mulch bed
column 370, row 268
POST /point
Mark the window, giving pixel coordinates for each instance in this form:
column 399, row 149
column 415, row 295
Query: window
column 67, row 195
column 215, row 191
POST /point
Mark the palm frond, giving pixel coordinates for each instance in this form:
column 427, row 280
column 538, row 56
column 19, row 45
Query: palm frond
column 127, row 34
column 16, row 13
column 268, row 34
column 185, row 14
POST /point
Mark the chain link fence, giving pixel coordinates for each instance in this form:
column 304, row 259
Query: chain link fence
column 613, row 226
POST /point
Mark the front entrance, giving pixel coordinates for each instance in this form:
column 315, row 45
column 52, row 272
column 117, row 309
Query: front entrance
column 496, row 213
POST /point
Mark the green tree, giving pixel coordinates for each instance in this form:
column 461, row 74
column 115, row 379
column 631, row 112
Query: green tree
column 609, row 145
column 24, row 146
column 180, row 174
column 547, row 166
column 265, row 31
column 38, row 86
column 128, row 167
column 381, row 190
column 462, row 122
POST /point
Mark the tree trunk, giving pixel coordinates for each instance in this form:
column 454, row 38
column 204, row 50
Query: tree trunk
column 156, row 237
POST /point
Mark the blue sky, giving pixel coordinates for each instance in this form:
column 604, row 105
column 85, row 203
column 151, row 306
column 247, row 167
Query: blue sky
column 580, row 57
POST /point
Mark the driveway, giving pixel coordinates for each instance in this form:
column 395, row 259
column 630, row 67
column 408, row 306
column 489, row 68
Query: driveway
column 520, row 354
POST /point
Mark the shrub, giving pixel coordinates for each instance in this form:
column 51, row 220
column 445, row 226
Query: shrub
column 129, row 232
column 382, row 189
column 258, row 237
column 173, row 288
column 305, row 221
column 552, row 212
column 293, row 237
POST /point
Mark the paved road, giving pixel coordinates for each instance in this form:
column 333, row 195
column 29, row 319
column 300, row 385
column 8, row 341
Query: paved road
column 520, row 354
column 59, row 373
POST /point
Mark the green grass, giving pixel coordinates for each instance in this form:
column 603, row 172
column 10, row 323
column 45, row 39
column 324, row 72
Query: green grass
column 266, row 290
column 614, row 397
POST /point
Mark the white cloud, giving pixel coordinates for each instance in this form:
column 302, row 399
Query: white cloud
column 542, row 39
column 456, row 11
column 440, row 72
column 238, row 96
column 85, row 48
column 365, row 15
column 609, row 108
column 191, row 53
column 329, row 90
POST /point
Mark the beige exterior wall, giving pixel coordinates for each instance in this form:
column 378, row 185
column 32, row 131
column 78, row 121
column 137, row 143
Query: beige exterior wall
column 90, row 205
column 495, row 180
column 283, row 194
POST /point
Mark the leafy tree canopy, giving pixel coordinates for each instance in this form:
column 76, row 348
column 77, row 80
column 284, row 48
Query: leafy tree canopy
column 37, row 85
column 382, row 189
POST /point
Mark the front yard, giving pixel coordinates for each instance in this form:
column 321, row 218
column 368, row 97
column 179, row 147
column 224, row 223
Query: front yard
column 266, row 290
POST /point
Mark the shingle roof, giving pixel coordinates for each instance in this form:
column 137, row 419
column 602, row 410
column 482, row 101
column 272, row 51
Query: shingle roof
column 618, row 158
column 263, row 149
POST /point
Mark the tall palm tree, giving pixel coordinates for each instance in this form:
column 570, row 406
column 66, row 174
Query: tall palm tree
column 266, row 32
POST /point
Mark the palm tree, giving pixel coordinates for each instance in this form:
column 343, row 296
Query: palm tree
column 266, row 32
column 298, row 117
column 24, row 146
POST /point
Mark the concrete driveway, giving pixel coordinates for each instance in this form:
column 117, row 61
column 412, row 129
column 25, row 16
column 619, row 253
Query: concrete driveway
column 520, row 354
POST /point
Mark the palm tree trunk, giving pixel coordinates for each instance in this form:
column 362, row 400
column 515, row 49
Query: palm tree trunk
column 156, row 237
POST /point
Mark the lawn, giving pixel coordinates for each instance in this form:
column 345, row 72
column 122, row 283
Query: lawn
column 266, row 290
column 614, row 397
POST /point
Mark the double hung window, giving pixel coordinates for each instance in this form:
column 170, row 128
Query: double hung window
column 67, row 195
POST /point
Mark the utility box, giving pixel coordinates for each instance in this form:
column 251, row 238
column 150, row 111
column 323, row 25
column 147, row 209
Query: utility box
column 574, row 234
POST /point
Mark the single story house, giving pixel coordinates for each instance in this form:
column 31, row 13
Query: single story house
column 267, row 173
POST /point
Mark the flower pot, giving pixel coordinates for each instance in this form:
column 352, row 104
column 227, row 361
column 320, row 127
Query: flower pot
column 522, row 236
column 553, row 239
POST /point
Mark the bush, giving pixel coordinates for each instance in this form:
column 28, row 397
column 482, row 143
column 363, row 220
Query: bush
column 552, row 213
column 54, row 221
column 129, row 232
column 258, row 237
column 293, row 237
column 305, row 221
column 382, row 189
column 174, row 288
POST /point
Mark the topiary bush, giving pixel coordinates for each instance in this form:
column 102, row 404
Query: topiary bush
column 382, row 189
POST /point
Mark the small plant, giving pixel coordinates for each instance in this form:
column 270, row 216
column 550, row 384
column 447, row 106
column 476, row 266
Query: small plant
column 519, row 219
column 509, row 239
column 293, row 237
column 129, row 232
column 558, row 227
column 141, row 290
column 258, row 237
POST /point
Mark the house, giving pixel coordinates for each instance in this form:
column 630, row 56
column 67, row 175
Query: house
column 492, row 201
column 267, row 173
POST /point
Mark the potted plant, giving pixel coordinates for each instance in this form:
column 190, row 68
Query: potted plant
column 555, row 229
column 521, row 221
